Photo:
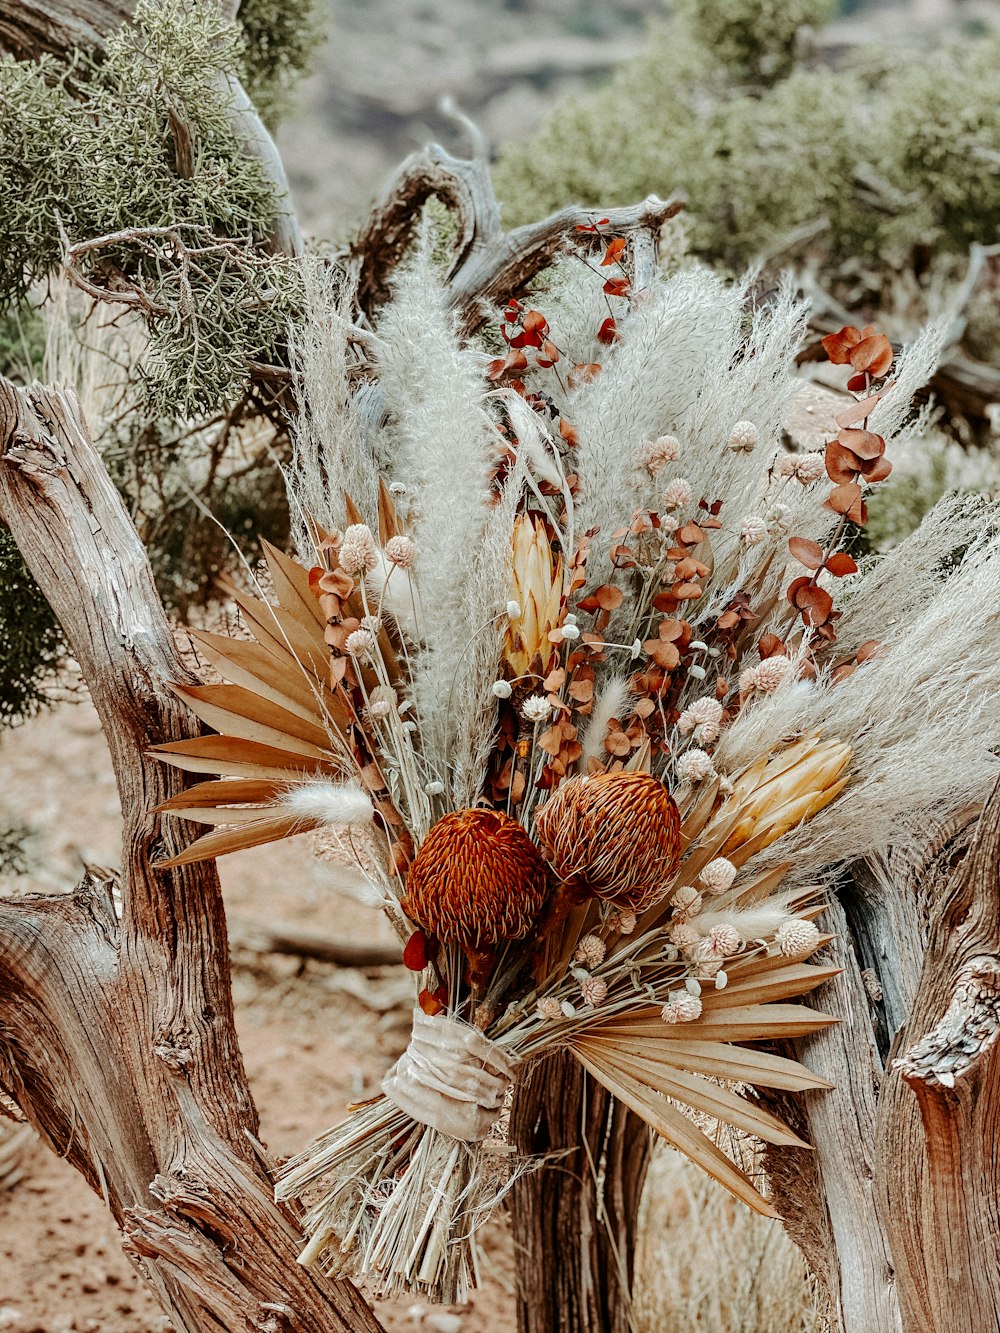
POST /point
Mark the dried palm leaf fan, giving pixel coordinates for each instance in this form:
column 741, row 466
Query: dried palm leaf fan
column 579, row 698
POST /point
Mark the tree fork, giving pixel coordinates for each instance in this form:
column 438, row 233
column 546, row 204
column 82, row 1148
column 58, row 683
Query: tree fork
column 117, row 1038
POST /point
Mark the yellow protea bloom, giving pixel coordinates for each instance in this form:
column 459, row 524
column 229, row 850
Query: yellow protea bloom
column 774, row 795
column 536, row 587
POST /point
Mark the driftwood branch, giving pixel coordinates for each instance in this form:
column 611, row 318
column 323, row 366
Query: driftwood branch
column 31, row 28
column 117, row 1038
column 488, row 264
column 940, row 1189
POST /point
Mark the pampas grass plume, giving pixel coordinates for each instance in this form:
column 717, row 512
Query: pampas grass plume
column 334, row 804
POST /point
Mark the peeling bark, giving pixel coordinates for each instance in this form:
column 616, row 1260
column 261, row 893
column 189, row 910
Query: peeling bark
column 117, row 1039
column 937, row 1131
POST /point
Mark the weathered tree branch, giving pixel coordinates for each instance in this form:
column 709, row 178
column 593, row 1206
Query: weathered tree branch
column 116, row 1033
column 287, row 938
column 488, row 264
column 937, row 1130
column 581, row 1207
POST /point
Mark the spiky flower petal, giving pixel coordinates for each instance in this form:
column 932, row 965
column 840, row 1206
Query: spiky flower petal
column 477, row 879
column 615, row 834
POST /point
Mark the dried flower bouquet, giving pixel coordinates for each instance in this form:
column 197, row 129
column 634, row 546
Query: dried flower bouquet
column 595, row 707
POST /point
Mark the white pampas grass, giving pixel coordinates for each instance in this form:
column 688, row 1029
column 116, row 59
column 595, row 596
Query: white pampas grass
column 443, row 444
column 472, row 716
column 611, row 702
column 334, row 804
column 921, row 719
column 914, row 367
column 335, row 440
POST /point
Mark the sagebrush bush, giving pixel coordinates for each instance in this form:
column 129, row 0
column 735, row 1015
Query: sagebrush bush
column 31, row 641
column 892, row 152
column 144, row 140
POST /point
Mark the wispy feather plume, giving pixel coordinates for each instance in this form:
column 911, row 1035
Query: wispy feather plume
column 444, row 444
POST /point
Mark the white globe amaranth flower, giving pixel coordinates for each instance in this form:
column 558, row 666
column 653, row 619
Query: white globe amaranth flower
column 726, row 940
column 536, row 708
column 590, row 951
column 625, row 922
column 402, row 551
column 372, row 624
column 748, row 680
column 785, row 465
column 684, row 935
column 809, row 468
column 594, row 991
column 686, row 902
column 694, row 766
column 753, row 530
column 772, row 672
column 360, row 642
column 549, row 1008
column 704, row 712
column 718, row 875
column 358, row 552
column 677, row 494
column 797, row 938
column 681, row 1007
column 743, row 437
column 656, row 454
column 779, row 518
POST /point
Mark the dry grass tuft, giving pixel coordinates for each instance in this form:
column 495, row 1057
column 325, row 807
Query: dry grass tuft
column 706, row 1262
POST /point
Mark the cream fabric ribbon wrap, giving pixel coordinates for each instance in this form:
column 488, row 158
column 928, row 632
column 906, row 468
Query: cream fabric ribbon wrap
column 451, row 1078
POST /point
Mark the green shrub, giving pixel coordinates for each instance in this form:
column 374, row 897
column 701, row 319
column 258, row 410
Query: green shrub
column 31, row 641
column 895, row 153
column 144, row 140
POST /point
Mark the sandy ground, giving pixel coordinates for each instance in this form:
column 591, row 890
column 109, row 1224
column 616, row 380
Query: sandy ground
column 314, row 1038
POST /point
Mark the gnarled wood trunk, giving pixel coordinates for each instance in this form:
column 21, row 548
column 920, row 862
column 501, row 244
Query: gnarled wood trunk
column 939, row 1190
column 575, row 1219
column 116, row 1027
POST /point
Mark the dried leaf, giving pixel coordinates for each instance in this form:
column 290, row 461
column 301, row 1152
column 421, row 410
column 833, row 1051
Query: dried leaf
column 864, row 443
column 842, row 466
column 843, row 498
column 613, row 251
column 608, row 332
column 841, row 564
column 806, row 552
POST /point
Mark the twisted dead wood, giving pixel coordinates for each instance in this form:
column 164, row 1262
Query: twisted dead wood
column 488, row 265
column 116, row 1030
column 937, row 1130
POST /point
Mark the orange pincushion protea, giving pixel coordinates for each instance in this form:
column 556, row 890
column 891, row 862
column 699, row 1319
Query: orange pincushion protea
column 476, row 880
column 616, row 835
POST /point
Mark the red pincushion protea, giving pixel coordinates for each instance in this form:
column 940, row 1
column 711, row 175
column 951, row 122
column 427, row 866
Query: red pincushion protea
column 477, row 879
column 616, row 835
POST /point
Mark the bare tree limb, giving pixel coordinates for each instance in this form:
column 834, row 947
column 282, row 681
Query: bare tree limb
column 488, row 264
column 117, row 1038
column 285, row 938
